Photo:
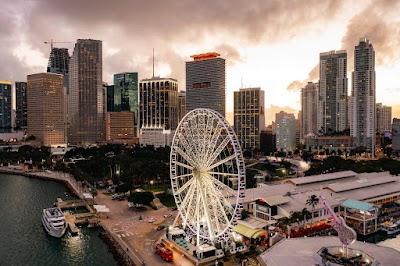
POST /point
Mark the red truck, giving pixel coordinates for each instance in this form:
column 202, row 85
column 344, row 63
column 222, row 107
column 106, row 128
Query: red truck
column 163, row 252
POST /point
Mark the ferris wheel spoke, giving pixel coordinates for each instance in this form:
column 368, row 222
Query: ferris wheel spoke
column 218, row 150
column 206, row 213
column 188, row 147
column 227, row 159
column 185, row 186
column 184, row 165
column 185, row 156
column 181, row 176
column 213, row 142
column 217, row 198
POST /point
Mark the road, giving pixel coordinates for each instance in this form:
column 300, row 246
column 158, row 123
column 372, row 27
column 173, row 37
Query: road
column 139, row 235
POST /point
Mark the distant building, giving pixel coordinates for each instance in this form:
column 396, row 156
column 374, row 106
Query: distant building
column 126, row 92
column 268, row 141
column 205, row 82
column 45, row 103
column 181, row 105
column 285, row 131
column 85, row 98
column 110, row 98
column 59, row 63
column 299, row 141
column 21, row 105
column 396, row 134
column 159, row 103
column 6, row 123
column 120, row 128
column 249, row 121
column 383, row 118
column 333, row 101
column 363, row 96
column 342, row 142
column 155, row 136
column 309, row 110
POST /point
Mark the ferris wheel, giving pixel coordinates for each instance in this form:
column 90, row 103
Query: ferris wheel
column 207, row 174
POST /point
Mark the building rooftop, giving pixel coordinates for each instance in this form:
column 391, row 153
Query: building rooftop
column 358, row 205
column 205, row 56
column 304, row 251
column 362, row 183
column 321, row 178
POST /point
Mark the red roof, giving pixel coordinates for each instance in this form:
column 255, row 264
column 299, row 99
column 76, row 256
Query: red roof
column 205, row 56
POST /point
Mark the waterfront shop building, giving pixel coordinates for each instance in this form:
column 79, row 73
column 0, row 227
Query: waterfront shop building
column 274, row 202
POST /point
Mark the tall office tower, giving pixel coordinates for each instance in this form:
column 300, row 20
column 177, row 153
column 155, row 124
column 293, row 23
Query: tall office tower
column 110, row 98
column 383, row 118
column 59, row 62
column 126, row 92
column 159, row 103
column 85, row 97
column 309, row 110
column 363, row 96
column 396, row 134
column 6, row 121
column 285, row 124
column 181, row 105
column 21, row 105
column 45, row 102
column 249, row 120
column 205, row 82
column 333, row 113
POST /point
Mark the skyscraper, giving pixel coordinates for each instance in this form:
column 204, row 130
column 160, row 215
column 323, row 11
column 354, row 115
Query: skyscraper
column 59, row 63
column 110, row 97
column 333, row 112
column 85, row 98
column 205, row 82
column 5, row 106
column 159, row 103
column 383, row 118
column 285, row 131
column 126, row 92
column 45, row 103
column 363, row 96
column 309, row 110
column 249, row 121
column 21, row 105
column 181, row 105
column 396, row 134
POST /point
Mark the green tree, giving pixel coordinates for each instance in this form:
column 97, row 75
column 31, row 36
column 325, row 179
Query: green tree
column 144, row 198
column 312, row 201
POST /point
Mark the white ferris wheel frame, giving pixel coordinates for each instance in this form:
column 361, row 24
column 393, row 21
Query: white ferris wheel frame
column 190, row 153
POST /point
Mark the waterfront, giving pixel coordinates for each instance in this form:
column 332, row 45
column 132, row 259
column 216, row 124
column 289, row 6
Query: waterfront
column 23, row 240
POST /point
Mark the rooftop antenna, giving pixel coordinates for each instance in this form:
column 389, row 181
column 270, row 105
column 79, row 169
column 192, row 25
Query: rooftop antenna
column 153, row 62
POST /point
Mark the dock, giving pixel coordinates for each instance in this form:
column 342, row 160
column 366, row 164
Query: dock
column 70, row 220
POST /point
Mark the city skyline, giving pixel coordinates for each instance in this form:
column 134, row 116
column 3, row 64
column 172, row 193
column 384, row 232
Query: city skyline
column 260, row 53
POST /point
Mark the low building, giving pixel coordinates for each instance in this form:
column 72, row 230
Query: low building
column 274, row 202
column 317, row 250
column 155, row 136
column 120, row 128
column 329, row 142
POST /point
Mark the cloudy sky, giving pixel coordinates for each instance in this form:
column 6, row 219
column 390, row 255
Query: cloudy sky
column 274, row 45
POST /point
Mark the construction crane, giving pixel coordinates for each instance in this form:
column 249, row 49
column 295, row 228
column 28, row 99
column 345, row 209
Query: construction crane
column 52, row 42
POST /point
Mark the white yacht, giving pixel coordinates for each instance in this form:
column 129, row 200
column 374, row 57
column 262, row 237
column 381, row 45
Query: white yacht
column 391, row 228
column 53, row 221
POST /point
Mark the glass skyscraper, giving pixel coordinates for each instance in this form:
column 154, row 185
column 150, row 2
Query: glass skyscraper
column 5, row 106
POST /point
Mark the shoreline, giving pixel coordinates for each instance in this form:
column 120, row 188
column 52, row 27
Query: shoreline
column 120, row 251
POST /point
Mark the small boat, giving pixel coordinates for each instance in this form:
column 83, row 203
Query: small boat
column 391, row 228
column 53, row 221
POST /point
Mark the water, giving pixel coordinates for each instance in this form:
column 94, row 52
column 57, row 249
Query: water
column 23, row 241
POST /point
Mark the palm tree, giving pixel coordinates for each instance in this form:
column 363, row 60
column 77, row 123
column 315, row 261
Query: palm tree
column 312, row 201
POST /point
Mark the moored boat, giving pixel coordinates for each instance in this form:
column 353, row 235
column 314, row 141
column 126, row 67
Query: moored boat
column 53, row 221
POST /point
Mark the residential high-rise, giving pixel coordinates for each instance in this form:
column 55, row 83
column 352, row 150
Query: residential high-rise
column 333, row 101
column 383, row 118
column 21, row 105
column 396, row 134
column 181, row 105
column 205, row 82
column 285, row 124
column 159, row 103
column 309, row 110
column 363, row 96
column 6, row 122
column 85, row 98
column 249, row 121
column 45, row 103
